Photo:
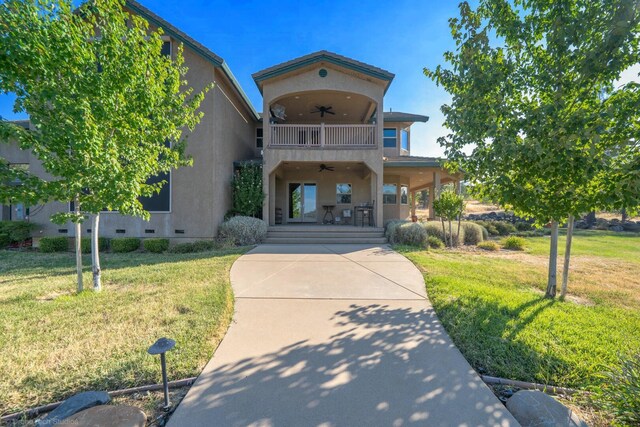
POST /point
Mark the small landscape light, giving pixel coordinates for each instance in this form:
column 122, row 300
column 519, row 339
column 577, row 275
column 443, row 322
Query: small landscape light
column 161, row 347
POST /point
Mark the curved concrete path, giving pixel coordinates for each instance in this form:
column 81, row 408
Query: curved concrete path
column 335, row 335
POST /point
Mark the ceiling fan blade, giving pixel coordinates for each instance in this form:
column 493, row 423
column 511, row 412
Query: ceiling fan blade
column 329, row 112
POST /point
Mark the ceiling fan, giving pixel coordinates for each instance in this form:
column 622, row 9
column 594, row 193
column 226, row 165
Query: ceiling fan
column 324, row 167
column 322, row 110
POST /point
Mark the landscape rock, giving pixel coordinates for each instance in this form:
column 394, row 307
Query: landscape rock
column 108, row 416
column 631, row 226
column 537, row 409
column 74, row 404
column 616, row 228
column 581, row 225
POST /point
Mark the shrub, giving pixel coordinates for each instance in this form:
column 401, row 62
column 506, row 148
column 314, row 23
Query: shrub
column 473, row 233
column 489, row 245
column 4, row 240
column 103, row 244
column 523, row 226
column 246, row 189
column 391, row 228
column 17, row 231
column 514, row 243
column 412, row 234
column 434, row 242
column 434, row 228
column 191, row 247
column 619, row 394
column 243, row 230
column 489, row 226
column 504, row 228
column 157, row 246
column 54, row 244
column 125, row 244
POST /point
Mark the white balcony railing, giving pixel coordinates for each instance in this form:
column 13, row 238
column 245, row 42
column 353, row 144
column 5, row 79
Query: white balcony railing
column 322, row 136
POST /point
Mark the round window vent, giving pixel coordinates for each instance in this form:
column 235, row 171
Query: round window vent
column 322, row 72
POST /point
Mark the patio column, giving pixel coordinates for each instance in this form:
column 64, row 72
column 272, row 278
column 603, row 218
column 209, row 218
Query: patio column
column 436, row 189
column 272, row 199
column 413, row 203
column 379, row 207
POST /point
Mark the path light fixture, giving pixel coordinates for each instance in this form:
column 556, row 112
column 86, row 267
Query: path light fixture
column 161, row 347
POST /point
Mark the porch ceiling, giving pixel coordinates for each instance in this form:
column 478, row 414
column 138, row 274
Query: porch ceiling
column 347, row 107
column 314, row 167
column 421, row 177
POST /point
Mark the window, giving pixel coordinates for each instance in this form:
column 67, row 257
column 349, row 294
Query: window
column 159, row 202
column 404, row 195
column 343, row 194
column 390, row 138
column 404, row 139
column 166, row 48
column 389, row 194
column 259, row 137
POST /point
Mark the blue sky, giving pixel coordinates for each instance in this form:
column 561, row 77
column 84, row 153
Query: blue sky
column 401, row 36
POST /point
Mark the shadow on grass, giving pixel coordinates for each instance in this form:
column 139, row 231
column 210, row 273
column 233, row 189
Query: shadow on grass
column 37, row 265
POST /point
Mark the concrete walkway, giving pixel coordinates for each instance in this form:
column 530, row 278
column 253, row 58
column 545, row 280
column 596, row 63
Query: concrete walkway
column 335, row 335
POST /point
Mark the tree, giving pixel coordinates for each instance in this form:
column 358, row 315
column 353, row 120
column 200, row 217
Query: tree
column 108, row 108
column 248, row 194
column 526, row 84
column 449, row 206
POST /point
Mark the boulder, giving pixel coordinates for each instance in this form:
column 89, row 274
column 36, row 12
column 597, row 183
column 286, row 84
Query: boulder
column 631, row 226
column 74, row 404
column 534, row 408
column 616, row 228
column 581, row 225
column 108, row 416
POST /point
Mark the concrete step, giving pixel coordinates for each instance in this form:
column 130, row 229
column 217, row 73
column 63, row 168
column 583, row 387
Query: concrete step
column 325, row 240
column 346, row 234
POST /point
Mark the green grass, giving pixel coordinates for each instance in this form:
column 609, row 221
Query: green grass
column 493, row 307
column 56, row 343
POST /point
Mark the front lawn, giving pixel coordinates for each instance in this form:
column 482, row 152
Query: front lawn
column 55, row 343
column 493, row 307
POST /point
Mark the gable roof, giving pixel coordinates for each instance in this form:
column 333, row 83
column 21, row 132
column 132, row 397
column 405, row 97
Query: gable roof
column 322, row 56
column 194, row 45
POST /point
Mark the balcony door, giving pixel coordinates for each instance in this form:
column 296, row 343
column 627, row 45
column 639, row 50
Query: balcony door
column 302, row 202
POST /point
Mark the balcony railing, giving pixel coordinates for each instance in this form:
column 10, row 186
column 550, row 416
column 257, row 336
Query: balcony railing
column 323, row 136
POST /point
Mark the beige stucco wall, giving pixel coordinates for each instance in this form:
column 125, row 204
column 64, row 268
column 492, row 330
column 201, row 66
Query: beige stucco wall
column 200, row 195
column 397, row 210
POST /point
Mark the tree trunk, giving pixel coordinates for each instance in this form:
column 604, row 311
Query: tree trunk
column 78, row 244
column 553, row 261
column 624, row 215
column 444, row 232
column 450, row 234
column 458, row 233
column 567, row 257
column 95, row 255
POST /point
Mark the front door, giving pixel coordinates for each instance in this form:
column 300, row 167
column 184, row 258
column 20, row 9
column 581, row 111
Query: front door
column 302, row 202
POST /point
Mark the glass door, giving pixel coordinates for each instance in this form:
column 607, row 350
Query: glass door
column 302, row 202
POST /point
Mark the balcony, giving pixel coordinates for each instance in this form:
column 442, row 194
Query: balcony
column 322, row 135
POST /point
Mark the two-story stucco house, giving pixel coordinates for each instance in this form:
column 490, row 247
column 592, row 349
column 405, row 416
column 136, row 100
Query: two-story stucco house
column 329, row 153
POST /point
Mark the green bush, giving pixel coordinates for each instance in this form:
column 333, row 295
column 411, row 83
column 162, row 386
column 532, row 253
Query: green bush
column 489, row 245
column 391, row 229
column 473, row 233
column 243, row 230
column 523, row 226
column 157, row 246
column 504, row 228
column 514, row 243
column 191, row 247
column 54, row 244
column 4, row 240
column 620, row 393
column 489, row 226
column 434, row 228
column 412, row 234
column 434, row 242
column 103, row 244
column 17, row 231
column 125, row 244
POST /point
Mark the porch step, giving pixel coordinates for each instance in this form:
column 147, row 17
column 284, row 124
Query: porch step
column 325, row 234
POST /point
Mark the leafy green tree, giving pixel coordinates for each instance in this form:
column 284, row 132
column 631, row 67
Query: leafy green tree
column 526, row 80
column 248, row 194
column 103, row 102
column 449, row 206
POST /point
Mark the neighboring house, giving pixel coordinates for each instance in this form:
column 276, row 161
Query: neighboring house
column 323, row 144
